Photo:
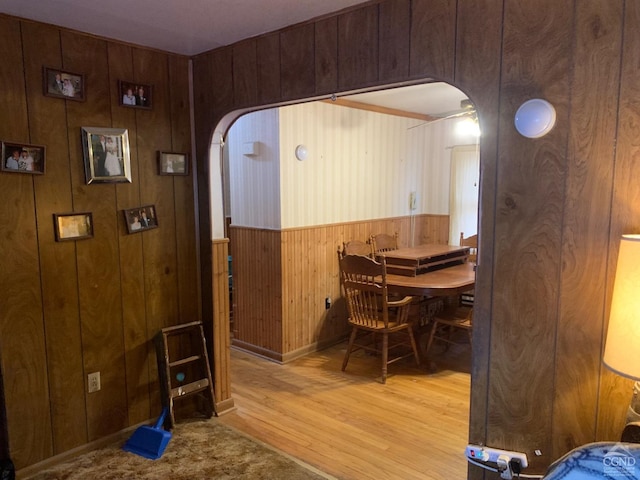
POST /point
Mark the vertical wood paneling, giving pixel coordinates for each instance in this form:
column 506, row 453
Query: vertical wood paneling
column 433, row 27
column 326, row 55
column 297, row 68
column 137, row 351
column 358, row 47
column 98, row 261
column 183, row 187
column 395, row 22
column 615, row 391
column 485, row 46
column 245, row 74
column 57, row 260
column 268, row 63
column 478, row 57
column 159, row 245
column 530, row 187
column 284, row 325
column 22, row 342
column 257, row 289
column 80, row 307
column 221, row 339
column 585, row 236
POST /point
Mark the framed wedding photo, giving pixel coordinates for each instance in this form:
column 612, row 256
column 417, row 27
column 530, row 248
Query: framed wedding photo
column 73, row 226
column 106, row 155
column 134, row 94
column 141, row 218
column 22, row 158
column 173, row 163
column 63, row 84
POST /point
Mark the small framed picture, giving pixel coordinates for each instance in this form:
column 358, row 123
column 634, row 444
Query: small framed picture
column 73, row 226
column 106, row 155
column 22, row 158
column 62, row 84
column 134, row 94
column 142, row 218
column 172, row 163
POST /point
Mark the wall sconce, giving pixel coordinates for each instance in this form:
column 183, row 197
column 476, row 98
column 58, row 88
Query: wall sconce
column 622, row 349
column 301, row 152
column 535, row 118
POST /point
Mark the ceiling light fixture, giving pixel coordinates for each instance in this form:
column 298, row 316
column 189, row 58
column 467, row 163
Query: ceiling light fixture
column 535, row 118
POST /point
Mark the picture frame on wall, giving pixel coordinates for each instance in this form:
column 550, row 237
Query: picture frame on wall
column 106, row 155
column 173, row 163
column 22, row 158
column 139, row 219
column 135, row 94
column 63, row 84
column 73, row 226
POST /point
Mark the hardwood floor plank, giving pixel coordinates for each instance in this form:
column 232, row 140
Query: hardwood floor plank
column 349, row 425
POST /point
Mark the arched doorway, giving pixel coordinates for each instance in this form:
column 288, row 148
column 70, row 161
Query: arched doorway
column 250, row 146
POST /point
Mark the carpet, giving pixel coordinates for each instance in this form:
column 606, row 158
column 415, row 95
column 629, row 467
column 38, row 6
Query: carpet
column 198, row 449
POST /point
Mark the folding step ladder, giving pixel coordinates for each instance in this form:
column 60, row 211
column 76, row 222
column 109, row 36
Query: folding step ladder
column 183, row 367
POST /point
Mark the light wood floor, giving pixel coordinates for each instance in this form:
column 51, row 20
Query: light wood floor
column 351, row 426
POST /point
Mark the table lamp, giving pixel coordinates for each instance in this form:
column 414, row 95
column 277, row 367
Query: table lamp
column 622, row 349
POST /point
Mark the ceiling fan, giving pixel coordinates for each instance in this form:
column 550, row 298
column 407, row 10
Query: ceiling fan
column 466, row 108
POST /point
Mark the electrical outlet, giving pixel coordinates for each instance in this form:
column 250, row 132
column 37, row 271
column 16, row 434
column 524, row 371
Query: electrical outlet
column 94, row 382
column 488, row 454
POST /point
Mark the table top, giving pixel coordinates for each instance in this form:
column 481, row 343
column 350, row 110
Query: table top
column 446, row 281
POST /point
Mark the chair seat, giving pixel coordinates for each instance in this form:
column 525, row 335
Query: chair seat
column 461, row 318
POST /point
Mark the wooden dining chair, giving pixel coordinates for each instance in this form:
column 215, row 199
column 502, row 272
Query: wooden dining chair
column 372, row 313
column 383, row 242
column 357, row 247
column 472, row 243
column 467, row 298
column 446, row 323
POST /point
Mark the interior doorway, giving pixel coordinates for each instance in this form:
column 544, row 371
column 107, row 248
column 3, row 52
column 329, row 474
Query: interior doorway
column 252, row 150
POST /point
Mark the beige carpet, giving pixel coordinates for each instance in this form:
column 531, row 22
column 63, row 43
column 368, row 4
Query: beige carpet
column 198, row 449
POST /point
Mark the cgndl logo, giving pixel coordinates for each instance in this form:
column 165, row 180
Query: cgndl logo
column 619, row 461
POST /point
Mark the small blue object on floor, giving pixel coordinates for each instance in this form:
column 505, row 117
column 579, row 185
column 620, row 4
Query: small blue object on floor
column 149, row 442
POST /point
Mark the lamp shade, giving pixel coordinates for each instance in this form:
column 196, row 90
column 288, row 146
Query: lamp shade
column 622, row 349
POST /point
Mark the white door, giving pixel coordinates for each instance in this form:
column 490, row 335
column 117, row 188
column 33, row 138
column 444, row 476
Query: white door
column 463, row 200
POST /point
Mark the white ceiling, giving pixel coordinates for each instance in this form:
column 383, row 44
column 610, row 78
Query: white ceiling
column 187, row 27
column 190, row 27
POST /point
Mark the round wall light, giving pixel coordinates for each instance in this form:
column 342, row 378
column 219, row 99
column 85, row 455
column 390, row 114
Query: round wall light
column 301, row 152
column 535, row 118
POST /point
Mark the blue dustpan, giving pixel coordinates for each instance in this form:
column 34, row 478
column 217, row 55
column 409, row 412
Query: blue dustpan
column 149, row 442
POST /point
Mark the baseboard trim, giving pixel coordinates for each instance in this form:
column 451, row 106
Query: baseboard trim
column 284, row 358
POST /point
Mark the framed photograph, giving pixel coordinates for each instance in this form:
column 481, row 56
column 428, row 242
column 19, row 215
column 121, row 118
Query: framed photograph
column 22, row 158
column 106, row 155
column 142, row 218
column 73, row 226
column 62, row 84
column 135, row 94
column 172, row 163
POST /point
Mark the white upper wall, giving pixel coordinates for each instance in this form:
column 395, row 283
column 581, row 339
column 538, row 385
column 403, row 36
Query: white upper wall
column 254, row 189
column 361, row 165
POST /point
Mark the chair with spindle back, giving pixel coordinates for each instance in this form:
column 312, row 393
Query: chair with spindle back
column 383, row 242
column 471, row 242
column 372, row 313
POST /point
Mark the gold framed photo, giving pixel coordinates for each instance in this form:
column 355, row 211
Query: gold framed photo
column 73, row 226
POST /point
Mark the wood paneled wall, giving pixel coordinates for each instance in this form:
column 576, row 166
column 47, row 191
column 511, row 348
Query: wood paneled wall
column 282, row 278
column 551, row 209
column 72, row 308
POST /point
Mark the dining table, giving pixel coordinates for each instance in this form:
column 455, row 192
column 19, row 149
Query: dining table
column 444, row 282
